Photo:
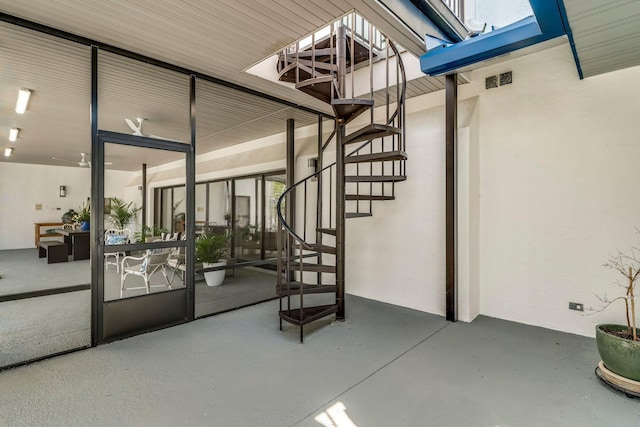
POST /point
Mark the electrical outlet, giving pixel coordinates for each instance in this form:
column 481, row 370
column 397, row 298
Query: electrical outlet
column 576, row 306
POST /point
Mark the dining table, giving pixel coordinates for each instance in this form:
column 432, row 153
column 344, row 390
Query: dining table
column 78, row 242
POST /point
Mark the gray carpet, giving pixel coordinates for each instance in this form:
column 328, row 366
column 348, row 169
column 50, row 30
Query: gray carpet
column 386, row 365
column 22, row 271
column 246, row 286
column 38, row 327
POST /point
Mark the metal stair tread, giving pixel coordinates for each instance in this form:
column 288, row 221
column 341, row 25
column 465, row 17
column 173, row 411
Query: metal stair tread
column 372, row 131
column 317, row 268
column 309, row 53
column 307, row 288
column 375, row 178
column 322, row 88
column 377, row 157
column 368, row 197
column 306, row 315
column 321, row 248
column 349, row 109
column 315, row 81
column 331, row 231
column 358, row 214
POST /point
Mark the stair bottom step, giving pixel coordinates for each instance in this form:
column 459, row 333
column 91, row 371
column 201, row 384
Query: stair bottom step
column 300, row 317
column 307, row 288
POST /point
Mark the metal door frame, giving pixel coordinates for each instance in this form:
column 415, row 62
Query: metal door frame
column 131, row 316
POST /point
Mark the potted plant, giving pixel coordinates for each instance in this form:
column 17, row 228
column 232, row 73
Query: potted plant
column 148, row 233
column 211, row 250
column 618, row 345
column 83, row 216
column 121, row 213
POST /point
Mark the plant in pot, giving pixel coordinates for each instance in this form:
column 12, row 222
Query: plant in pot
column 83, row 216
column 121, row 213
column 153, row 232
column 211, row 250
column 618, row 345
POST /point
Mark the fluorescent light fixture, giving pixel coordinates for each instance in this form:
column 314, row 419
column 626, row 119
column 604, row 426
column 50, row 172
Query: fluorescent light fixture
column 13, row 134
column 23, row 100
column 8, row 151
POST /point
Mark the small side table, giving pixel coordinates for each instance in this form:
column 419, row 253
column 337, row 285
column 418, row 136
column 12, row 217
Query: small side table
column 39, row 234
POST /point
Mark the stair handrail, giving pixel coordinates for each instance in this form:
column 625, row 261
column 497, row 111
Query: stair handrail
column 398, row 110
column 284, row 195
column 400, row 102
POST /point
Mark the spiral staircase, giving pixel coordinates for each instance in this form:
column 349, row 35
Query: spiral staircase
column 370, row 159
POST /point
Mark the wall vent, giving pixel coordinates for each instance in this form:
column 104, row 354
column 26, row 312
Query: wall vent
column 506, row 78
column 491, row 82
column 500, row 80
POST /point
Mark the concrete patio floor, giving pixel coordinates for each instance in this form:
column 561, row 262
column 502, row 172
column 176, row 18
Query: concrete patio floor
column 386, row 366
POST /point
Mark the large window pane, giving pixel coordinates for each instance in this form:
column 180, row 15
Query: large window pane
column 248, row 218
column 219, row 207
column 274, row 187
column 44, row 292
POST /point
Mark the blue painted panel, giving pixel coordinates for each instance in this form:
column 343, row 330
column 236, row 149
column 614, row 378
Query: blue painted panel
column 546, row 24
column 547, row 13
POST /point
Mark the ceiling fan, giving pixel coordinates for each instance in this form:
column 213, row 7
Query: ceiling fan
column 83, row 161
column 137, row 130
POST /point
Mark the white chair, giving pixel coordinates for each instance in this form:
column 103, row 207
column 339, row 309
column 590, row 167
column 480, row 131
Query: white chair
column 115, row 237
column 155, row 260
column 177, row 261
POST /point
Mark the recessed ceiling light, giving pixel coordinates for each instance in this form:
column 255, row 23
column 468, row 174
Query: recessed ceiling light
column 23, row 100
column 8, row 151
column 13, row 134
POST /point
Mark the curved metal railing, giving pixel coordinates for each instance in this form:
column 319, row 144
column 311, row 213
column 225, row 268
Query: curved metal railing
column 293, row 241
column 398, row 114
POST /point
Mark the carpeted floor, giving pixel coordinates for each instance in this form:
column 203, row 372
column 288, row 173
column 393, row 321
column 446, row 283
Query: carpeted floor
column 36, row 327
column 22, row 271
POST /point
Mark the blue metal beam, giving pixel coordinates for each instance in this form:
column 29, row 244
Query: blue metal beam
column 547, row 24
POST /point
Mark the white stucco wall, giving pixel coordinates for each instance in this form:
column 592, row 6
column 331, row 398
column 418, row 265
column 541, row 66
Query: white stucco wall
column 25, row 185
column 558, row 184
column 547, row 184
column 395, row 256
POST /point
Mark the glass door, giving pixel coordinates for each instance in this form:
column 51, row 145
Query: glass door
column 143, row 269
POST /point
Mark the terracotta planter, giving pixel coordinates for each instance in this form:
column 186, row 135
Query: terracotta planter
column 620, row 356
column 214, row 278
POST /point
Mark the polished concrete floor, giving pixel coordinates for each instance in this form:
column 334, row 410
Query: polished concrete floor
column 384, row 366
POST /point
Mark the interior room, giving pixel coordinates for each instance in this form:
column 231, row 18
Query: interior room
column 408, row 206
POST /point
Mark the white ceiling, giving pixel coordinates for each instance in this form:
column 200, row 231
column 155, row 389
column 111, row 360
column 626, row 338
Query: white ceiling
column 217, row 38
column 606, row 34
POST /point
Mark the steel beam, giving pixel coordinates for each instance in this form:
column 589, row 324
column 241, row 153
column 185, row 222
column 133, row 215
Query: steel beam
column 340, row 223
column 97, row 181
column 451, row 123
